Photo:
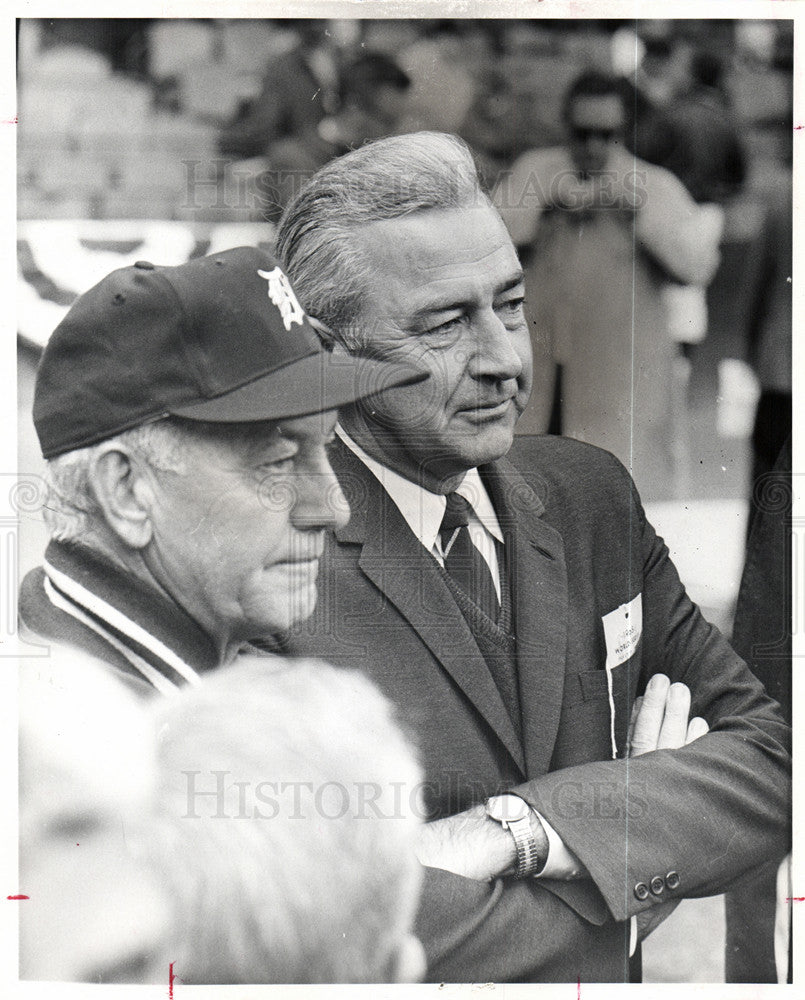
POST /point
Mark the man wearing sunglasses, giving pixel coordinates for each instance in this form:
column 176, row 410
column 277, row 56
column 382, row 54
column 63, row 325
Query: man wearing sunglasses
column 603, row 234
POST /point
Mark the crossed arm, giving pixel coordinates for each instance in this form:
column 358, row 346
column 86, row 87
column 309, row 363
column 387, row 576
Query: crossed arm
column 703, row 807
column 482, row 926
column 471, row 845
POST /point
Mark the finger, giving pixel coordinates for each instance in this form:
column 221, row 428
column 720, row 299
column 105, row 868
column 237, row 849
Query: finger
column 649, row 718
column 635, row 712
column 675, row 723
column 696, row 727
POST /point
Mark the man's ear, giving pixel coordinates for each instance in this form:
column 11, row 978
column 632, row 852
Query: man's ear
column 124, row 494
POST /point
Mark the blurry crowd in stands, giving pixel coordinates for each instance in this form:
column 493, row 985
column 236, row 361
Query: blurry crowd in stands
column 301, row 91
column 223, row 120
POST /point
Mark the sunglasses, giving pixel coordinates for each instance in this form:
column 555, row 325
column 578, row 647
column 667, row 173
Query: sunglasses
column 585, row 134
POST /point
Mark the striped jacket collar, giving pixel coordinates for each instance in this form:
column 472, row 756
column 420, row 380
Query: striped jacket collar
column 155, row 635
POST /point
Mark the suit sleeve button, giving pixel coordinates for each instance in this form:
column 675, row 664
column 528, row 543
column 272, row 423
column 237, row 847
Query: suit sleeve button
column 641, row 891
column 672, row 880
column 658, row 885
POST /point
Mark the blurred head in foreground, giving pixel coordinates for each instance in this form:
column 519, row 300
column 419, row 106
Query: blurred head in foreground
column 289, row 803
column 256, row 828
column 95, row 910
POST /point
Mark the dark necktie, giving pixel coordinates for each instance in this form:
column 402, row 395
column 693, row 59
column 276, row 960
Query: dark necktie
column 462, row 560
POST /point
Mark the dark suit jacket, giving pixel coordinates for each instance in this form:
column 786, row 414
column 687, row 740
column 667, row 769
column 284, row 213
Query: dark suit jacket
column 762, row 635
column 578, row 547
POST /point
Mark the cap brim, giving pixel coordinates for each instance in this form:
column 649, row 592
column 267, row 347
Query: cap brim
column 313, row 384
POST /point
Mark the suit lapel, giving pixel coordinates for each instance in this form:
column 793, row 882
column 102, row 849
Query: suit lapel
column 393, row 559
column 538, row 575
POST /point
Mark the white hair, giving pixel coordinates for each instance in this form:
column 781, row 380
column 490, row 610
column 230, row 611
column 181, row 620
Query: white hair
column 71, row 507
column 287, row 796
column 385, row 179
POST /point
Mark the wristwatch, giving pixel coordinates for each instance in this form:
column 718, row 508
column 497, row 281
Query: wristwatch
column 514, row 815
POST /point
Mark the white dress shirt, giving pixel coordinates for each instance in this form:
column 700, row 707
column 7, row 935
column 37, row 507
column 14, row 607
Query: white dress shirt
column 423, row 511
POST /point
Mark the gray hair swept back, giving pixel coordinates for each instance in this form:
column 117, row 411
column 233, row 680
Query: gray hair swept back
column 385, row 179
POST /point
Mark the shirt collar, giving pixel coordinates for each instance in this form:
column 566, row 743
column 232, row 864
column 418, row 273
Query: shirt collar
column 422, row 509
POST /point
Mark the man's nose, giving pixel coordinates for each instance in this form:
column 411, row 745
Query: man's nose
column 319, row 501
column 495, row 355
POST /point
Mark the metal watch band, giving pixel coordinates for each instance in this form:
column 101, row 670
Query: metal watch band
column 531, row 842
column 529, row 861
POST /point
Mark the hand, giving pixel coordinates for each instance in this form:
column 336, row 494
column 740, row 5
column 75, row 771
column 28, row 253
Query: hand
column 468, row 844
column 660, row 718
column 660, row 722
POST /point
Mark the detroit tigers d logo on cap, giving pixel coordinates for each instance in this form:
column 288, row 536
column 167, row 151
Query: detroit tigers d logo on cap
column 283, row 297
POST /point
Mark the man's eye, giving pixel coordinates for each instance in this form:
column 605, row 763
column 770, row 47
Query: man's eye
column 511, row 306
column 279, row 466
column 448, row 327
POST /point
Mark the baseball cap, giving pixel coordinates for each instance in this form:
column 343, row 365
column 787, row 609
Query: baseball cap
column 220, row 338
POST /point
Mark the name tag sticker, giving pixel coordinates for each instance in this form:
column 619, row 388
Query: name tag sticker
column 622, row 630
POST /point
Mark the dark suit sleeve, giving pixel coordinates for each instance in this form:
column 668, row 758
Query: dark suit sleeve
column 762, row 630
column 704, row 814
column 510, row 931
